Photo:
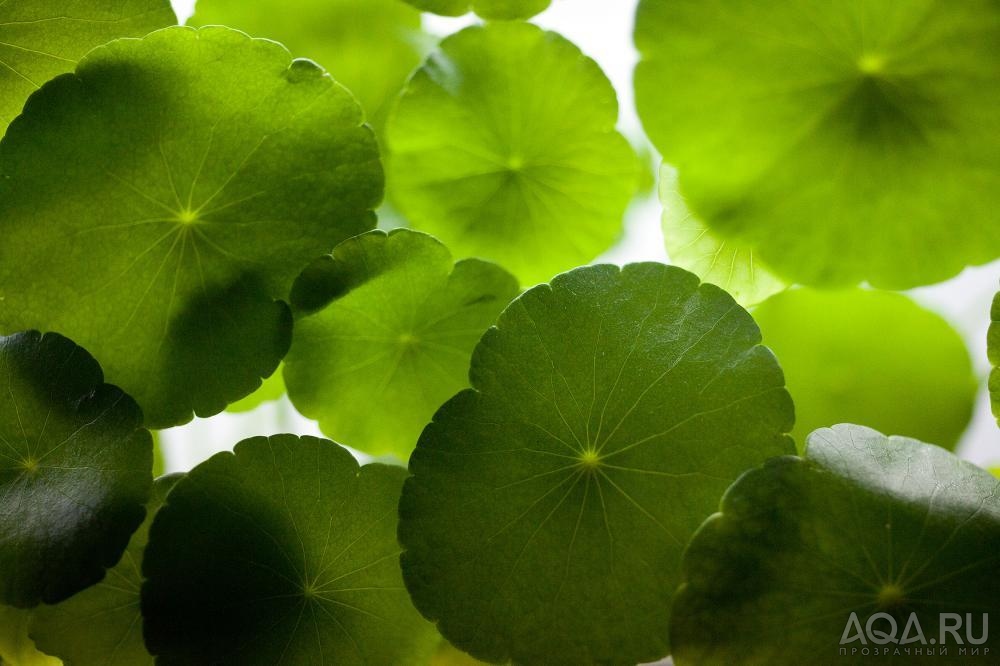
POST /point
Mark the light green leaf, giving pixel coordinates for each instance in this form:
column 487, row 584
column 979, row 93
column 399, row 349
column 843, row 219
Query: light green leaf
column 549, row 505
column 102, row 624
column 156, row 203
column 393, row 339
column 843, row 141
column 370, row 46
column 41, row 39
column 993, row 347
column 273, row 388
column 16, row 649
column 488, row 9
column 285, row 552
column 503, row 145
column 75, row 470
column 863, row 524
column 694, row 247
column 863, row 356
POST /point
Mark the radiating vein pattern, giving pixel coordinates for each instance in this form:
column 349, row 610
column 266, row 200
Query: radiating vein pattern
column 204, row 171
column 284, row 553
column 75, row 469
column 864, row 524
column 41, row 39
column 609, row 411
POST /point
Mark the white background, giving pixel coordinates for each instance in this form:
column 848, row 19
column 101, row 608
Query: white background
column 603, row 29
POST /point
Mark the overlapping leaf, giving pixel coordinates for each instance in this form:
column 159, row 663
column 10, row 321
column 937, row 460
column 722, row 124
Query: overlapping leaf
column 370, row 46
column 75, row 470
column 862, row 524
column 285, row 552
column 488, row 9
column 875, row 357
column 41, row 39
column 103, row 624
column 393, row 339
column 844, row 142
column 549, row 505
column 157, row 202
column 694, row 247
column 504, row 145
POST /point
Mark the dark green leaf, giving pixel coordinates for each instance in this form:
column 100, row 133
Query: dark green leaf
column 41, row 39
column 875, row 357
column 75, row 470
column 863, row 524
column 549, row 506
column 504, row 145
column 285, row 552
column 102, row 624
column 395, row 342
column 843, row 141
column 158, row 201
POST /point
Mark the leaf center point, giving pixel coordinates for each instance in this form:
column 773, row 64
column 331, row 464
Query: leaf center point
column 187, row 217
column 871, row 64
column 590, row 460
column 891, row 595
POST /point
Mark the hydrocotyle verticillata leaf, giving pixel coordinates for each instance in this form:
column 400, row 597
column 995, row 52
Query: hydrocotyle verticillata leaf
column 370, row 46
column 392, row 338
column 157, row 203
column 504, row 146
column 549, row 505
column 103, row 624
column 693, row 246
column 993, row 349
column 75, row 470
column 874, row 357
column 487, row 9
column 41, row 39
column 845, row 142
column 863, row 524
column 285, row 552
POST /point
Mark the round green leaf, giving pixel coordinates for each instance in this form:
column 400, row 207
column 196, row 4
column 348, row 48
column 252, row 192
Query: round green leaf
column 504, row 10
column 394, row 341
column 504, row 145
column 41, row 39
column 549, row 506
column 844, row 141
column 285, row 552
column 75, row 470
column 156, row 203
column 863, row 356
column 993, row 348
column 863, row 524
column 102, row 624
column 370, row 46
column 694, row 247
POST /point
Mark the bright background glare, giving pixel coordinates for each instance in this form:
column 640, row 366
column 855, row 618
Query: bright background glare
column 603, row 30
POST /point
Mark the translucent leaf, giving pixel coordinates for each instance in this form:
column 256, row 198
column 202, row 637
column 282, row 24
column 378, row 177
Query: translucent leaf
column 158, row 203
column 550, row 504
column 843, row 141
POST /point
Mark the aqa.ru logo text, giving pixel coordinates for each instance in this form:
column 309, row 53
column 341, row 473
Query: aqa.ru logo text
column 881, row 635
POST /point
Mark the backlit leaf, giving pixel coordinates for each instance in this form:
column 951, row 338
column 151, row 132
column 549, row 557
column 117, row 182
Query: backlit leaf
column 843, row 141
column 285, row 552
column 504, row 146
column 156, row 204
column 862, row 524
column 75, row 470
column 550, row 504
column 393, row 339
